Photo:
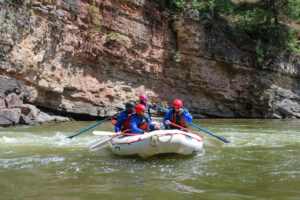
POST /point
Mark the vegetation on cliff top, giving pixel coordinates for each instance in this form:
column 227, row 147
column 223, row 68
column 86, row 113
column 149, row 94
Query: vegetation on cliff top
column 259, row 26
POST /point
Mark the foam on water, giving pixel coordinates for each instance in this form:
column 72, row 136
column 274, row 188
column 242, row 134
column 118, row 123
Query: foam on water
column 55, row 140
column 29, row 161
column 261, row 138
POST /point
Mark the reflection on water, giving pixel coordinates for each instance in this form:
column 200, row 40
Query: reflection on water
column 261, row 162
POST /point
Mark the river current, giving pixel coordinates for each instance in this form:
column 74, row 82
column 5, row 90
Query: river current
column 261, row 162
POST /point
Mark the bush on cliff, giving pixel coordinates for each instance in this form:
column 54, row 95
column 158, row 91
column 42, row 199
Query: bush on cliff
column 259, row 26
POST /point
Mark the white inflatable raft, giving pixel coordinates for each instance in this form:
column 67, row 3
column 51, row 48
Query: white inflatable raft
column 157, row 142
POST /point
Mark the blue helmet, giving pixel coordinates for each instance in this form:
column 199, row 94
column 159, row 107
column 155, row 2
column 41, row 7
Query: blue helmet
column 129, row 105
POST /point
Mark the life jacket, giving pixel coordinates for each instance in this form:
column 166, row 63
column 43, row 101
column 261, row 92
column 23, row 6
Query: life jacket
column 126, row 124
column 144, row 125
column 177, row 119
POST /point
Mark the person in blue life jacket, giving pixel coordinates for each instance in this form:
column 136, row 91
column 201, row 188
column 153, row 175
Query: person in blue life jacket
column 140, row 122
column 177, row 115
column 144, row 100
column 122, row 123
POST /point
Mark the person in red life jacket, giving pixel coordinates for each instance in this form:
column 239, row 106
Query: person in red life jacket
column 144, row 100
column 178, row 115
column 123, row 121
column 140, row 122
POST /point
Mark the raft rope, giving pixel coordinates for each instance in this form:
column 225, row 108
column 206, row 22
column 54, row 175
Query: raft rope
column 154, row 139
column 146, row 138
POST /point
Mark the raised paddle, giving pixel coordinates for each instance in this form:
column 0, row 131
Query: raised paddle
column 211, row 140
column 70, row 137
column 218, row 137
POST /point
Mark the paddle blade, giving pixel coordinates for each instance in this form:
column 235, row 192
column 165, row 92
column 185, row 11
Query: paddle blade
column 223, row 139
column 70, row 137
column 103, row 133
column 215, row 142
column 99, row 144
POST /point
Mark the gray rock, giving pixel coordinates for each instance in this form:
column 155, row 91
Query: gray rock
column 30, row 111
column 193, row 14
column 14, row 101
column 72, row 6
column 25, row 120
column 12, row 115
column 44, row 117
column 5, row 122
column 288, row 108
column 2, row 103
column 2, row 14
column 10, row 85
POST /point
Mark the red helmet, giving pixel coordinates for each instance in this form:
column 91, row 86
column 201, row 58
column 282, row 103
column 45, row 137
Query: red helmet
column 139, row 108
column 177, row 103
column 143, row 97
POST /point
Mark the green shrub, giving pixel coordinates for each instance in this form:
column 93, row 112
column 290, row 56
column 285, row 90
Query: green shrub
column 112, row 35
column 93, row 8
column 176, row 55
column 94, row 22
column 259, row 26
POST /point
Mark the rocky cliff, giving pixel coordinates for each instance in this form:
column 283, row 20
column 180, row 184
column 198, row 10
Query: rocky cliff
column 85, row 59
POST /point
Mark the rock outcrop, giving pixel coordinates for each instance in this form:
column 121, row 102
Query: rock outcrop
column 13, row 110
column 86, row 58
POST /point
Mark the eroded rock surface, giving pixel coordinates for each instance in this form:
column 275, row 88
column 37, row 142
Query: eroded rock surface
column 87, row 58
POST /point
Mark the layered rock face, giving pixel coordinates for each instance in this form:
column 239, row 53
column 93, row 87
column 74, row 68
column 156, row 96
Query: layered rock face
column 86, row 58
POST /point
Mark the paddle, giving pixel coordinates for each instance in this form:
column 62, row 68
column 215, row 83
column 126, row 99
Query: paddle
column 103, row 133
column 218, row 137
column 102, row 143
column 70, row 137
column 173, row 124
column 211, row 140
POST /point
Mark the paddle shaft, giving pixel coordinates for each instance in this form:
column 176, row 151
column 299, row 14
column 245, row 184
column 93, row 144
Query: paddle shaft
column 103, row 142
column 218, row 137
column 173, row 124
column 70, row 137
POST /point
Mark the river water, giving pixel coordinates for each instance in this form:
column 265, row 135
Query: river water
column 261, row 162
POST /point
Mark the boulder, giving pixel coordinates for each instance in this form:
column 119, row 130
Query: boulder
column 4, row 122
column 44, row 117
column 14, row 101
column 30, row 111
column 12, row 115
column 25, row 120
column 2, row 103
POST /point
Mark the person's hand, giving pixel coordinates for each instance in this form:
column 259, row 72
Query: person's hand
column 181, row 111
column 157, row 126
column 153, row 104
column 167, row 122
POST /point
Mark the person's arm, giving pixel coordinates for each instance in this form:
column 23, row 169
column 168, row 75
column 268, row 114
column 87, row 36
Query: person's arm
column 122, row 118
column 153, row 106
column 187, row 116
column 134, row 126
column 151, row 125
column 167, row 117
